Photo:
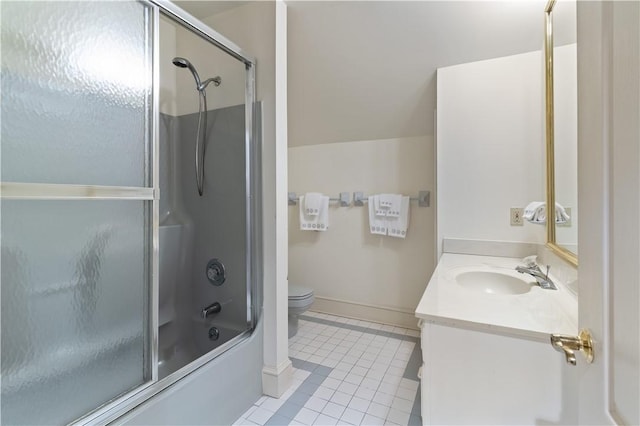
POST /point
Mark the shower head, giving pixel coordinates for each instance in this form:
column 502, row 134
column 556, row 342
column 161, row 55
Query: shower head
column 181, row 62
column 184, row 63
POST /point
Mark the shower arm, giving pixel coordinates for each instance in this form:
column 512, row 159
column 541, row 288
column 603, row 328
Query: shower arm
column 215, row 80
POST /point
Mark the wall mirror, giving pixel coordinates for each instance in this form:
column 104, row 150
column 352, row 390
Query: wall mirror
column 561, row 99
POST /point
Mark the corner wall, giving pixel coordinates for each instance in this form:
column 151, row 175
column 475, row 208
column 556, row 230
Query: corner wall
column 352, row 272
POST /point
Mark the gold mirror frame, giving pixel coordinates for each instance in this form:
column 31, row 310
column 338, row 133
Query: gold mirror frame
column 562, row 252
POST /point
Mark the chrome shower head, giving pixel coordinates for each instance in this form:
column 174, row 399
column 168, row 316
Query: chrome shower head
column 181, row 62
column 184, row 63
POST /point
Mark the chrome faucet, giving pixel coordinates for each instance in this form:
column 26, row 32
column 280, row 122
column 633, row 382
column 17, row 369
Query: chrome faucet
column 542, row 278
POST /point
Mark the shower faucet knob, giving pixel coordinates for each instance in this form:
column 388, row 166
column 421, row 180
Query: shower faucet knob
column 216, row 273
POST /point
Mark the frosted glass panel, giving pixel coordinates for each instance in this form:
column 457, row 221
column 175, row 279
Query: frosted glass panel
column 76, row 92
column 74, row 327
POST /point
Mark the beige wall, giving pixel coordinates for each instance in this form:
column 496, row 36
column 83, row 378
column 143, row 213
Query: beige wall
column 347, row 263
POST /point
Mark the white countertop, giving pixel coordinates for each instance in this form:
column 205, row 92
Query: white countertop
column 534, row 314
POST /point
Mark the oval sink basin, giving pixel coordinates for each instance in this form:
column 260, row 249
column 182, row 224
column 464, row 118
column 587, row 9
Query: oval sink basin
column 492, row 282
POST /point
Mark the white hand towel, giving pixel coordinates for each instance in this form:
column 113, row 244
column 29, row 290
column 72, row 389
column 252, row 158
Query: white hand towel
column 535, row 212
column 377, row 224
column 398, row 226
column 312, row 202
column 392, row 203
column 385, row 200
column 561, row 214
column 319, row 222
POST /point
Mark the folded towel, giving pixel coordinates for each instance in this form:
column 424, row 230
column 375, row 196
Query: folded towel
column 536, row 212
column 377, row 223
column 379, row 208
column 385, row 200
column 318, row 222
column 561, row 214
column 392, row 203
column 312, row 202
column 398, row 226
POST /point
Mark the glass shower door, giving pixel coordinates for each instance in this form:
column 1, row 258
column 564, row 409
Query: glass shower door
column 77, row 206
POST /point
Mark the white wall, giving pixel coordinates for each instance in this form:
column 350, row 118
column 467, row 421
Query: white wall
column 347, row 263
column 490, row 148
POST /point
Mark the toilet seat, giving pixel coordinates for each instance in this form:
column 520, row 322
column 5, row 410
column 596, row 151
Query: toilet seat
column 300, row 297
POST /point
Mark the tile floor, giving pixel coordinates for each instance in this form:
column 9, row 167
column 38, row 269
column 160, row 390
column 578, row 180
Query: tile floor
column 346, row 372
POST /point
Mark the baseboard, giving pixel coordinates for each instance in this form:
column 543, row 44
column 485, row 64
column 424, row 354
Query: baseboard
column 276, row 380
column 362, row 311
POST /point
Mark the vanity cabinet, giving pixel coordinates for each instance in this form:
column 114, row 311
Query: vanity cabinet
column 487, row 358
column 478, row 377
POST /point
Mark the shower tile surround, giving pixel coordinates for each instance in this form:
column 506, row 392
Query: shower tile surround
column 346, row 371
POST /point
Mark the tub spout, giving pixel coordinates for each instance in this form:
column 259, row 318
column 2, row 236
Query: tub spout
column 214, row 308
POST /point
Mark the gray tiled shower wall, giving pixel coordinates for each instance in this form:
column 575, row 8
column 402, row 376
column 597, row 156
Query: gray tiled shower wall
column 219, row 215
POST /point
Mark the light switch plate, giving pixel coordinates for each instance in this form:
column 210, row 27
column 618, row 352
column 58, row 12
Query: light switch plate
column 516, row 216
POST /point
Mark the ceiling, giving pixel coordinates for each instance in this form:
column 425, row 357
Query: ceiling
column 366, row 70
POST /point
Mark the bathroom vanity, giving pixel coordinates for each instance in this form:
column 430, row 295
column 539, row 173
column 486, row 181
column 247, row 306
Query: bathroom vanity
column 485, row 344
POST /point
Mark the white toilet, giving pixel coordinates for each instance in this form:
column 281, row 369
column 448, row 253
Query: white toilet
column 300, row 299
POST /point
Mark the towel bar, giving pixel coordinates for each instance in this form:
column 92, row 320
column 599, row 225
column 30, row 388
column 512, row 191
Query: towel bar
column 423, row 198
column 344, row 199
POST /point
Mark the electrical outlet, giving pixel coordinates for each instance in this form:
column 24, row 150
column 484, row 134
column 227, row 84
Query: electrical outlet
column 516, row 216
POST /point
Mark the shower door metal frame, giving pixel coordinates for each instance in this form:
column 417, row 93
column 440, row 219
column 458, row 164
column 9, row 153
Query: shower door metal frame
column 148, row 193
column 120, row 406
column 10, row 190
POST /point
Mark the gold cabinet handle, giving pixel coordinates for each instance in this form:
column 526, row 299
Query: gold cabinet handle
column 569, row 345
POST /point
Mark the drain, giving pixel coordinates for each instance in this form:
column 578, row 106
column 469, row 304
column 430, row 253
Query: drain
column 215, row 272
column 214, row 333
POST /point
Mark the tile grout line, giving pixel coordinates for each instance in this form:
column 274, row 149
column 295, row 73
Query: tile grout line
column 360, row 328
column 309, row 383
column 312, row 382
column 415, row 360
